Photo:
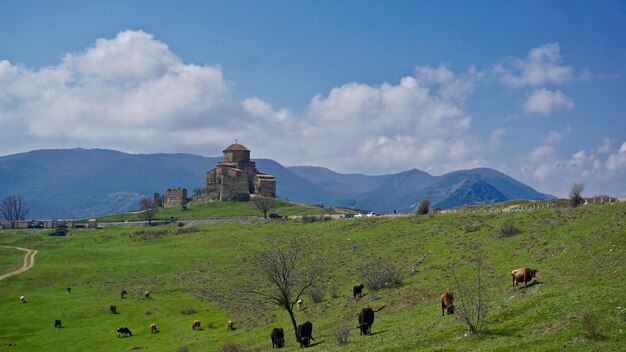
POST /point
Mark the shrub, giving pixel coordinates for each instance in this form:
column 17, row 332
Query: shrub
column 471, row 299
column 231, row 347
column 316, row 294
column 333, row 291
column 183, row 349
column 591, row 323
column 184, row 230
column 380, row 274
column 508, row 229
column 574, row 194
column 188, row 311
column 423, row 207
column 341, row 335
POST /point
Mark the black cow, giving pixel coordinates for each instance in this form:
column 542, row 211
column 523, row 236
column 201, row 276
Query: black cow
column 57, row 323
column 113, row 309
column 305, row 332
column 278, row 338
column 366, row 320
column 124, row 330
column 357, row 290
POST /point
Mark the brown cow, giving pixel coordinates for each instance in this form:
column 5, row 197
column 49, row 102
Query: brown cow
column 153, row 328
column 522, row 275
column 123, row 293
column 305, row 334
column 447, row 298
column 357, row 290
column 146, row 295
column 278, row 338
column 195, row 325
column 366, row 320
column 230, row 325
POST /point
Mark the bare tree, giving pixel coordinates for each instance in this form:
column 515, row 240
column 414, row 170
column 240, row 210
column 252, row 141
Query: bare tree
column 286, row 273
column 574, row 194
column 263, row 203
column 471, row 304
column 423, row 207
column 148, row 209
column 14, row 208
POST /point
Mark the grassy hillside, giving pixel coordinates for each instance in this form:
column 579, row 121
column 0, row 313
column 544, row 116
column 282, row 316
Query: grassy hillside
column 212, row 209
column 579, row 254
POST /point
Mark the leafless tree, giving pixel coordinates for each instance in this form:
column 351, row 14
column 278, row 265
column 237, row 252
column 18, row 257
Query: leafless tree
column 574, row 194
column 147, row 210
column 471, row 294
column 286, row 273
column 263, row 203
column 423, row 207
column 14, row 208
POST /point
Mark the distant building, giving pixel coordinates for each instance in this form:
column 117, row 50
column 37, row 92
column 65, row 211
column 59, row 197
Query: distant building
column 235, row 178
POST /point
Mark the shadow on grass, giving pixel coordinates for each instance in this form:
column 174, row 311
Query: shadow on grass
column 378, row 332
column 316, row 343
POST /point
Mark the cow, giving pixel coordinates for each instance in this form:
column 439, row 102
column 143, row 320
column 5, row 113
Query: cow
column 123, row 293
column 230, row 325
column 146, row 295
column 68, row 290
column 278, row 338
column 124, row 330
column 57, row 323
column 305, row 334
column 522, row 275
column 366, row 320
column 153, row 328
column 195, row 325
column 22, row 299
column 113, row 309
column 447, row 299
column 299, row 304
column 357, row 290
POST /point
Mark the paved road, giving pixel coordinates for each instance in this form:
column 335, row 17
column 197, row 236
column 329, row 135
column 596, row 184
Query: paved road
column 29, row 261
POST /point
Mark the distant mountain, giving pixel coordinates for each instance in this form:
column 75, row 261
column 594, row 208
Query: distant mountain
column 81, row 183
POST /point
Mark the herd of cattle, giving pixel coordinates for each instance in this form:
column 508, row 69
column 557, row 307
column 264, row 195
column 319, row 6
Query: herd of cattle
column 304, row 332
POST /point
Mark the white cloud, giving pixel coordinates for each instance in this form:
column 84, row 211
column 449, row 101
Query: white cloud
column 544, row 101
column 543, row 65
column 617, row 160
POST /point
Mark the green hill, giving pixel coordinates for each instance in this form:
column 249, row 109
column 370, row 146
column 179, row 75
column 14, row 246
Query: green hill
column 201, row 272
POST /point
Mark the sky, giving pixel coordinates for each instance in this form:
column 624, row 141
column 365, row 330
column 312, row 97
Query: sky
column 536, row 90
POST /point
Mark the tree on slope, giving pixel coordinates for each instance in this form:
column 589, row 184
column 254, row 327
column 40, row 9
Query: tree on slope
column 14, row 208
column 285, row 274
column 574, row 194
column 263, row 203
column 147, row 210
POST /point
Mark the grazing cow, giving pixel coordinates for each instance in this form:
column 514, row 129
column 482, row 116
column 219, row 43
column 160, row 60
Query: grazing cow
column 366, row 320
column 68, row 290
column 278, row 338
column 22, row 299
column 113, row 309
column 153, row 328
column 124, row 330
column 57, row 323
column 304, row 333
column 357, row 290
column 195, row 325
column 299, row 304
column 230, row 325
column 447, row 298
column 522, row 275
column 123, row 293
column 146, row 295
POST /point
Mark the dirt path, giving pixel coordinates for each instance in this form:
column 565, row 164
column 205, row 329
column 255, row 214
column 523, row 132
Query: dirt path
column 29, row 261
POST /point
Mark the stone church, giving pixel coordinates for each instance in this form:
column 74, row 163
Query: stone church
column 235, row 178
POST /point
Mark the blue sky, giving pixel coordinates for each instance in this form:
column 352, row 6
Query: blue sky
column 536, row 90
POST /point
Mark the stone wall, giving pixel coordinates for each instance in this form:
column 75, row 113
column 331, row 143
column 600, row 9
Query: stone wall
column 175, row 198
column 234, row 188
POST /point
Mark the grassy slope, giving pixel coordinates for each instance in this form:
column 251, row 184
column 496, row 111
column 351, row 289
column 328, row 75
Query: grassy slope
column 204, row 270
column 211, row 209
column 10, row 259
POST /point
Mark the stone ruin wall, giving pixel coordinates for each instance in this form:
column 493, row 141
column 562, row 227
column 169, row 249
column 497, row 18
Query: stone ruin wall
column 175, row 198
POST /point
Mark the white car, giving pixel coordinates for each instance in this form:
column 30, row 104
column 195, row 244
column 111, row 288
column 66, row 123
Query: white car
column 370, row 214
column 359, row 215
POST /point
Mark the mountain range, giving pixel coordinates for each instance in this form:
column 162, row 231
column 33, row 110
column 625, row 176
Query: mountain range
column 81, row 183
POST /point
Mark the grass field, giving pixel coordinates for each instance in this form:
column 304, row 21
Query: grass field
column 202, row 272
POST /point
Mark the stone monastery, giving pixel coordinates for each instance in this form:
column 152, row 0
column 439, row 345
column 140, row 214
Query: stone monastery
column 235, row 178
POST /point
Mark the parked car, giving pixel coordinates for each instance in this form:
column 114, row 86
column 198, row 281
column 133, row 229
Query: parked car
column 359, row 215
column 275, row 216
column 370, row 214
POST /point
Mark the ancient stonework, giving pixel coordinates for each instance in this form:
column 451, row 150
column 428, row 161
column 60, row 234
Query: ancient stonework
column 235, row 178
column 175, row 198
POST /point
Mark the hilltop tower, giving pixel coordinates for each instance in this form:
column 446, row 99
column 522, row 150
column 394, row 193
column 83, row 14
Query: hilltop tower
column 235, row 178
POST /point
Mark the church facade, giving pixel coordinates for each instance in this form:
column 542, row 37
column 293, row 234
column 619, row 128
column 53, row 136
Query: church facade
column 235, row 178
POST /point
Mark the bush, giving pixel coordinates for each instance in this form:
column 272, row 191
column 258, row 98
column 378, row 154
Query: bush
column 231, row 347
column 423, row 207
column 316, row 294
column 380, row 275
column 508, row 229
column 334, row 291
column 341, row 335
column 591, row 323
column 574, row 194
column 184, row 230
column 188, row 311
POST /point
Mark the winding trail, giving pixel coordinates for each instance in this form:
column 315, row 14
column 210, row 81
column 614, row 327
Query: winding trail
column 29, row 261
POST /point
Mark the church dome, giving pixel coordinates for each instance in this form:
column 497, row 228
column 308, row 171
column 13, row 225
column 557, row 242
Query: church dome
column 236, row 147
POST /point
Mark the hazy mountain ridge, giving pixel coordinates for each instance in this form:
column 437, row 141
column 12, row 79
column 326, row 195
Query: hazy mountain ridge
column 79, row 183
